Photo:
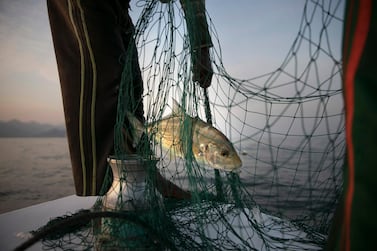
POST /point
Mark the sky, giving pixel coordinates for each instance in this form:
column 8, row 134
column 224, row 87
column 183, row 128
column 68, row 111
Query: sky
column 249, row 32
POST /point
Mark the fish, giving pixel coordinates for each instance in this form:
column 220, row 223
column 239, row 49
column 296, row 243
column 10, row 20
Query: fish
column 210, row 147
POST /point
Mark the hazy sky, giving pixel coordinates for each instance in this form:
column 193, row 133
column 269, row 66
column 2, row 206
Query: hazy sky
column 249, row 32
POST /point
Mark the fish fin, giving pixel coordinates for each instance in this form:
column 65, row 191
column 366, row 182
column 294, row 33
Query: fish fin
column 235, row 171
column 137, row 128
column 177, row 109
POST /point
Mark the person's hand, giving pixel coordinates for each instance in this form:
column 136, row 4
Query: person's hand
column 202, row 68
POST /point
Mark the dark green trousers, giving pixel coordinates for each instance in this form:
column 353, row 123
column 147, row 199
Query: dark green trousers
column 91, row 39
column 356, row 218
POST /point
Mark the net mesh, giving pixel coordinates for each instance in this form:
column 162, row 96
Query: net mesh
column 287, row 126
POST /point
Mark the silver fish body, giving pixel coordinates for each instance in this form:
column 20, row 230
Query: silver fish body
column 178, row 131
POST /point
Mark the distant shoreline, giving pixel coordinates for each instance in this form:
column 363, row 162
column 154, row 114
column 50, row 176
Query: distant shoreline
column 19, row 129
column 18, row 136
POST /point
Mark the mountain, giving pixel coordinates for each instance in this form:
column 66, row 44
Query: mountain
column 16, row 128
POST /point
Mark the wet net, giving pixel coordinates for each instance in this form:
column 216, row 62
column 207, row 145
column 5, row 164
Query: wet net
column 286, row 125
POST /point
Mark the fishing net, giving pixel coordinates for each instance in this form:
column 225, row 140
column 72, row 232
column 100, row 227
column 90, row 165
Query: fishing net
column 287, row 126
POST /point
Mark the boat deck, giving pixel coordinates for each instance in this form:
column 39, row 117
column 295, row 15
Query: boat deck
column 16, row 225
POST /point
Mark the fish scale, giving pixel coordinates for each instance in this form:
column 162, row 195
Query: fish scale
column 210, row 146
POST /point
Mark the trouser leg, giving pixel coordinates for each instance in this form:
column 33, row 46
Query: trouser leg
column 90, row 39
column 355, row 224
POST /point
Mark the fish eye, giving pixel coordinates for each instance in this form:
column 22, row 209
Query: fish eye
column 203, row 148
column 224, row 153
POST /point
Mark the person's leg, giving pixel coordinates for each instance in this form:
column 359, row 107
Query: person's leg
column 354, row 226
column 90, row 38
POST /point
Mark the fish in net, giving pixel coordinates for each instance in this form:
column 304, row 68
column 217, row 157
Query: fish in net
column 286, row 126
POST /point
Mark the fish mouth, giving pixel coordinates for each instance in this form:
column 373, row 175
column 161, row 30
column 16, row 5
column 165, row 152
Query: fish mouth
column 231, row 170
column 230, row 167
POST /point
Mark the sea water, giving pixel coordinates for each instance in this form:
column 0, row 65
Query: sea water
column 33, row 170
column 291, row 180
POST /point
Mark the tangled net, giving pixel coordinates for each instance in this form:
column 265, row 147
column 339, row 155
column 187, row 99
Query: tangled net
column 287, row 125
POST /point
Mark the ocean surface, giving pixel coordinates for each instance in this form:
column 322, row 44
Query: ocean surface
column 33, row 170
column 299, row 183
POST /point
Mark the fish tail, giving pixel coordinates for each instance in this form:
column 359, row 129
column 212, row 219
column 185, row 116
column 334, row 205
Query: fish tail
column 137, row 128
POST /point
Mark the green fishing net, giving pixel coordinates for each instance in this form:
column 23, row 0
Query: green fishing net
column 287, row 126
